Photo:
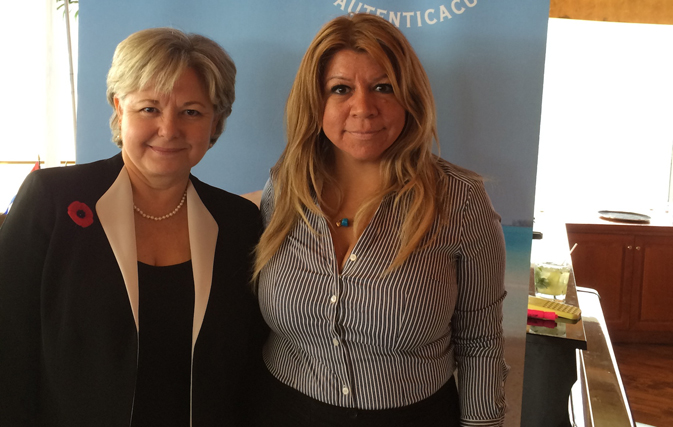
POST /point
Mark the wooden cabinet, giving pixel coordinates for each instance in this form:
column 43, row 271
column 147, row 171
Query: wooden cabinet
column 631, row 267
column 652, row 299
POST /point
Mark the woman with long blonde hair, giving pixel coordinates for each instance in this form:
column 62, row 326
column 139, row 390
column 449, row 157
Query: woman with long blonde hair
column 381, row 268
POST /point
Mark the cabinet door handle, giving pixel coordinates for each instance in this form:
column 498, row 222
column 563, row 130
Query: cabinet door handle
column 637, row 248
column 629, row 247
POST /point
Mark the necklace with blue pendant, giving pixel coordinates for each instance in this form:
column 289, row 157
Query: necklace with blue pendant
column 343, row 222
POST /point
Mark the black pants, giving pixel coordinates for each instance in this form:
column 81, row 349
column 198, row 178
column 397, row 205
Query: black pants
column 283, row 406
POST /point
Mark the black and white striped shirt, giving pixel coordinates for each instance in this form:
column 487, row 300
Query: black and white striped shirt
column 356, row 339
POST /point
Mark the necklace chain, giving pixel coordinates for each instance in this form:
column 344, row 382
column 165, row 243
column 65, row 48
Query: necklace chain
column 168, row 215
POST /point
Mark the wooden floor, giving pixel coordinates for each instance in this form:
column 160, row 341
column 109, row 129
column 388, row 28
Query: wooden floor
column 647, row 373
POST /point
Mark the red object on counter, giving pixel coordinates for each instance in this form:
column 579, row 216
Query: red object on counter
column 539, row 314
column 541, row 322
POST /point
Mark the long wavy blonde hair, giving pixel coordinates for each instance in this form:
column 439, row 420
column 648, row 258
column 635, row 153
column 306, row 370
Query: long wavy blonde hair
column 409, row 170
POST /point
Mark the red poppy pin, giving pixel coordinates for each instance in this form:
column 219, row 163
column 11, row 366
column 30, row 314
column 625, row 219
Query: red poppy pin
column 81, row 214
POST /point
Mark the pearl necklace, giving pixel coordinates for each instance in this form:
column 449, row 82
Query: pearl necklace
column 168, row 215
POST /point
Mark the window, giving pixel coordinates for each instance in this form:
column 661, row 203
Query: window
column 36, row 113
column 606, row 138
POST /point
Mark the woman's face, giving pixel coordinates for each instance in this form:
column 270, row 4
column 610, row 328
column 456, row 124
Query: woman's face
column 362, row 117
column 165, row 135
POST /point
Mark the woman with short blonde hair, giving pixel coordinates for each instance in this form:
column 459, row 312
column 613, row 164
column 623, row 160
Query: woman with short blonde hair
column 132, row 304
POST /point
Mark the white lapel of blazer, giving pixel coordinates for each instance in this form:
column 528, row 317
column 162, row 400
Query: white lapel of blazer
column 203, row 231
column 115, row 212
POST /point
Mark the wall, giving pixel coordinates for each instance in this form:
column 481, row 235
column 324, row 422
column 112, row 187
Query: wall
column 641, row 11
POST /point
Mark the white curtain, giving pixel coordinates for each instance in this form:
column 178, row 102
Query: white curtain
column 36, row 116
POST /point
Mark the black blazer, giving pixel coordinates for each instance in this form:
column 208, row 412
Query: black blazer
column 69, row 300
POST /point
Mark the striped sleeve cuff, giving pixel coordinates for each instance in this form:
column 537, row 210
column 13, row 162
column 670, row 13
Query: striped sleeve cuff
column 482, row 423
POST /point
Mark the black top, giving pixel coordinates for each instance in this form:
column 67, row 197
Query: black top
column 165, row 315
column 68, row 337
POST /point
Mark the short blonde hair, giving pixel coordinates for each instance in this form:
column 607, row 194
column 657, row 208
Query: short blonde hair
column 408, row 167
column 158, row 57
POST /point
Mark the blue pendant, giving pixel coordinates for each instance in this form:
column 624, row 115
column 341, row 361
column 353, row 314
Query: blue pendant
column 343, row 223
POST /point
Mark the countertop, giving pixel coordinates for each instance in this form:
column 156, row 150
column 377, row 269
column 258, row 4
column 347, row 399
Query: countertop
column 562, row 332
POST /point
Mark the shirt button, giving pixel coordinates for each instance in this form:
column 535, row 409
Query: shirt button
column 335, row 341
column 353, row 257
column 345, row 391
column 333, row 299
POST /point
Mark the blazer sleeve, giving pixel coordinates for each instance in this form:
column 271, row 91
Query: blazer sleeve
column 24, row 244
